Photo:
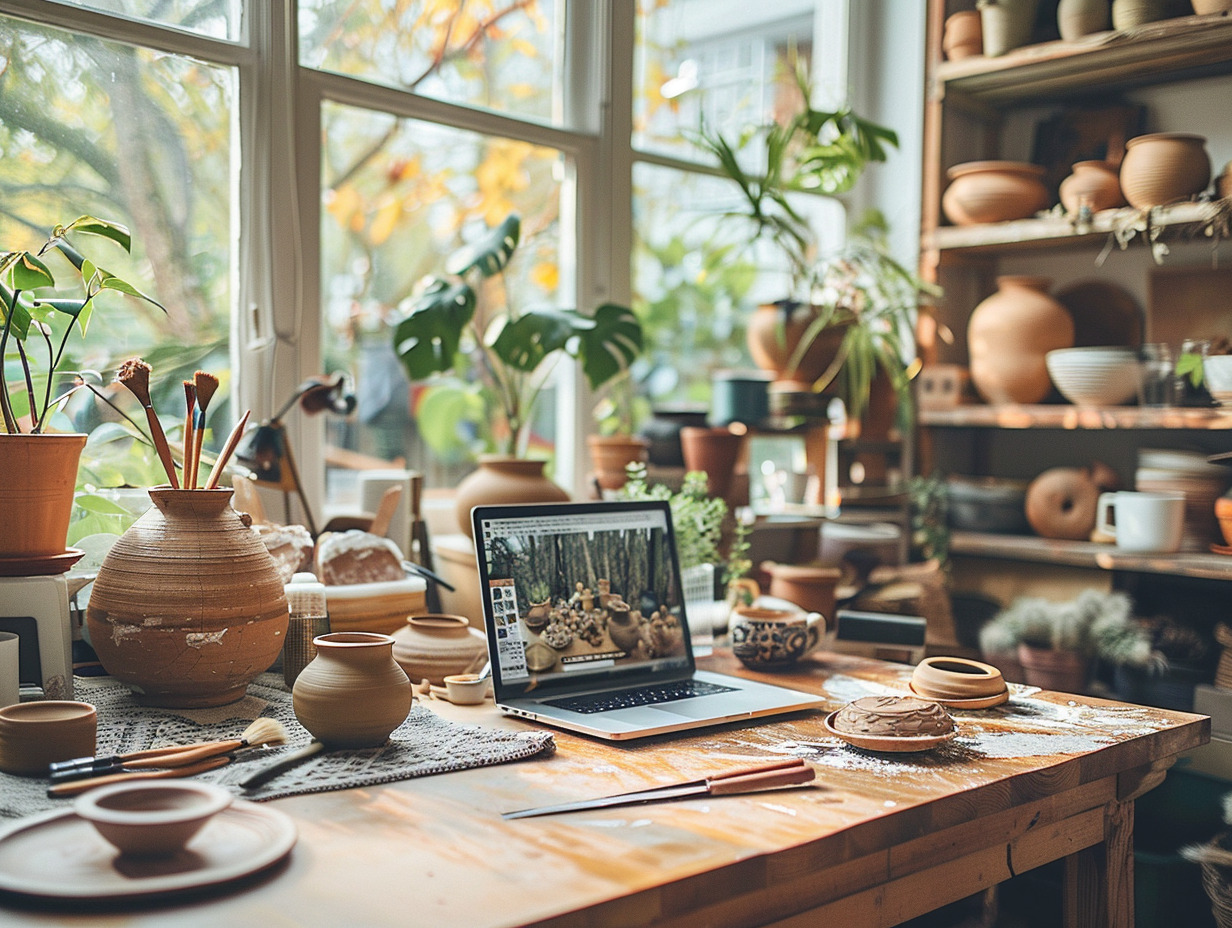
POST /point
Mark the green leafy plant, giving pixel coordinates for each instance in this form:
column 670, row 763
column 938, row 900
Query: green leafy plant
column 1093, row 624
column 28, row 316
column 738, row 562
column 930, row 527
column 697, row 517
column 445, row 328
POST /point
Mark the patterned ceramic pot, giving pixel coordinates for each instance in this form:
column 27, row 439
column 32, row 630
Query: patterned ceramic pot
column 772, row 639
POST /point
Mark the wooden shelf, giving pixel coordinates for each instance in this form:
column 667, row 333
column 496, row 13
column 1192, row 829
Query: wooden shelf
column 1088, row 554
column 1078, row 417
column 1173, row 49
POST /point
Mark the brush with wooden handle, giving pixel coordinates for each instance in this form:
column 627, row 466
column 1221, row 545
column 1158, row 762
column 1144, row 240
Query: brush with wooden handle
column 205, row 384
column 190, row 407
column 227, row 450
column 135, row 374
column 80, row 786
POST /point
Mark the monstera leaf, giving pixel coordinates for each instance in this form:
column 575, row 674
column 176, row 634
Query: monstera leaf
column 490, row 255
column 524, row 342
column 427, row 340
column 610, row 345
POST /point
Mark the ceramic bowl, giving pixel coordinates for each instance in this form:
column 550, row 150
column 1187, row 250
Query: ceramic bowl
column 466, row 689
column 35, row 734
column 959, row 682
column 1217, row 371
column 151, row 818
column 987, row 504
column 1094, row 376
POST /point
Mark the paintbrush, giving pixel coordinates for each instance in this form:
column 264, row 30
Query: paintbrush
column 190, row 404
column 80, row 786
column 227, row 450
column 135, row 374
column 206, row 384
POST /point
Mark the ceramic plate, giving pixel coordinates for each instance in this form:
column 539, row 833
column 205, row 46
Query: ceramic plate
column 59, row 855
column 889, row 745
column 979, row 702
column 39, row 566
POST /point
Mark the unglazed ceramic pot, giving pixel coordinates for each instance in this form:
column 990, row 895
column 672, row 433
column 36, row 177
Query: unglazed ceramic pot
column 956, row 678
column 432, row 647
column 188, row 606
column 1129, row 13
column 1009, row 336
column 809, row 586
column 611, row 454
column 151, row 819
column 35, row 734
column 994, row 191
column 353, row 693
column 1164, row 167
column 963, row 36
column 36, row 494
column 1093, row 184
column 1006, row 25
column 498, row 480
column 774, row 334
column 773, row 639
column 715, row 451
column 1076, row 18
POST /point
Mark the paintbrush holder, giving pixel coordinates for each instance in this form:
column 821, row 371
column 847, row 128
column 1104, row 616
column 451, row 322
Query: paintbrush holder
column 188, row 606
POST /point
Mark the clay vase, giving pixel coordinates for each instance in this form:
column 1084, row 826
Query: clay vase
column 36, row 493
column 963, row 36
column 1006, row 25
column 715, row 451
column 1009, row 334
column 431, row 647
column 994, row 191
column 499, row 480
column 188, row 606
column 1076, row 18
column 1093, row 184
column 352, row 694
column 611, row 454
column 774, row 334
column 623, row 627
column 1049, row 669
column 809, row 586
column 1164, row 167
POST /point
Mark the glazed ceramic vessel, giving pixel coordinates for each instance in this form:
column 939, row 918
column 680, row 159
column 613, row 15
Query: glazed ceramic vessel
column 1164, row 167
column 433, row 646
column 773, row 639
column 499, row 480
column 994, row 191
column 36, row 494
column 1076, row 18
column 1094, row 185
column 1009, row 336
column 188, row 606
column 353, row 693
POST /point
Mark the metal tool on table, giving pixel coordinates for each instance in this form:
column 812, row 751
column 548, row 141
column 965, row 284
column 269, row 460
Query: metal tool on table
column 774, row 775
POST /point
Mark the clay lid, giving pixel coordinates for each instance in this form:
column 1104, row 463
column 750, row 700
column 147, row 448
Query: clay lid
column 893, row 717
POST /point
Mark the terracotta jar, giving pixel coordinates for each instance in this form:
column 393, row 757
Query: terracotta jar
column 994, row 191
column 1062, row 671
column 1008, row 336
column 715, row 451
column 431, row 647
column 1093, row 184
column 774, row 334
column 809, row 586
column 611, row 454
column 1164, row 167
column 188, row 606
column 36, row 494
column 1076, row 18
column 498, row 480
column 352, row 694
column 963, row 36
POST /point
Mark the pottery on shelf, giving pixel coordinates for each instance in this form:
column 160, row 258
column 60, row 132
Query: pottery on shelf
column 715, row 451
column 432, row 647
column 36, row 494
column 499, row 480
column 1076, row 18
column 1006, row 24
column 1164, row 167
column 662, row 432
column 774, row 334
column 1207, row 7
column 1126, row 14
column 1009, row 336
column 963, row 36
column 188, row 606
column 353, row 693
column 994, row 191
column 1095, row 185
column 611, row 454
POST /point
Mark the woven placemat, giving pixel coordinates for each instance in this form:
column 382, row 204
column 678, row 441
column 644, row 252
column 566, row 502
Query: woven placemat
column 422, row 745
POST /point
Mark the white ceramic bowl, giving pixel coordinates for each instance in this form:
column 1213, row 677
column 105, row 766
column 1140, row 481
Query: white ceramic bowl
column 151, row 818
column 1094, row 376
column 1217, row 370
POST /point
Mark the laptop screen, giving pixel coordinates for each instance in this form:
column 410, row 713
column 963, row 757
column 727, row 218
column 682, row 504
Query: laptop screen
column 579, row 594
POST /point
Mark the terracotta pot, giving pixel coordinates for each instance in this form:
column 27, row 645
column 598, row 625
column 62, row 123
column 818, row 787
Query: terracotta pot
column 1164, row 167
column 1207, row 7
column 36, row 493
column 610, row 454
column 1007, row 25
column 188, row 606
column 963, row 36
column 432, row 647
column 715, row 451
column 1008, row 664
column 1076, row 18
column 1063, row 671
column 499, row 480
column 1008, row 336
column 1093, row 184
column 352, row 694
column 809, row 586
column 994, row 191
column 774, row 333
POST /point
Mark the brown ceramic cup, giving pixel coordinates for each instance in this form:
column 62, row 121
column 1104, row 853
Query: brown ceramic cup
column 35, row 734
column 772, row 639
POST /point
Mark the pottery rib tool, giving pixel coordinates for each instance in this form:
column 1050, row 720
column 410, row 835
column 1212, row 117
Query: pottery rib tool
column 190, row 406
column 773, row 775
column 227, row 450
column 80, row 786
column 282, row 765
column 135, row 374
column 205, row 384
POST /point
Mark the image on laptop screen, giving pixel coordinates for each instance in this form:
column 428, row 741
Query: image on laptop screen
column 589, row 593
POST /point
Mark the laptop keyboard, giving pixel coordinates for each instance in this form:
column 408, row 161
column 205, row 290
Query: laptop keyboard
column 641, row 696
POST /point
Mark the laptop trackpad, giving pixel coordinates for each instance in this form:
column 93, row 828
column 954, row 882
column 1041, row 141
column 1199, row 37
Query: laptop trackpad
column 703, row 708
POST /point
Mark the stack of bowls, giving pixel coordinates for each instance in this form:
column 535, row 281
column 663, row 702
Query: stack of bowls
column 1191, row 475
column 1217, row 371
column 1094, row 376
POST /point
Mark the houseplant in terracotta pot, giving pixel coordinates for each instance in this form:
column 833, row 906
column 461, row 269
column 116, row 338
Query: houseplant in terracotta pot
column 40, row 466
column 615, row 446
column 508, row 349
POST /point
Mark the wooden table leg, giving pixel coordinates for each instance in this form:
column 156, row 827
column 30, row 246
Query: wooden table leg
column 1099, row 881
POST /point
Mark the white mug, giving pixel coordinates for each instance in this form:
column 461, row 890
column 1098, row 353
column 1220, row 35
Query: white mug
column 1142, row 521
column 10, row 669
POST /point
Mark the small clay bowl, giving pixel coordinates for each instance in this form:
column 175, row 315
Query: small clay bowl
column 35, row 734
column 466, row 689
column 959, row 683
column 151, row 818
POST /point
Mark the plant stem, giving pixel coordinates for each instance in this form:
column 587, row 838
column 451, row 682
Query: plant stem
column 6, row 406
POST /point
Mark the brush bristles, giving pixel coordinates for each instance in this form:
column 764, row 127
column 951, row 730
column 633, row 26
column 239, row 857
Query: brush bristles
column 205, row 384
column 265, row 731
column 135, row 374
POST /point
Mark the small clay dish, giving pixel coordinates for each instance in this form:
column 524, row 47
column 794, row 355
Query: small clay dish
column 893, row 724
column 959, row 683
column 35, row 734
column 151, row 818
column 466, row 689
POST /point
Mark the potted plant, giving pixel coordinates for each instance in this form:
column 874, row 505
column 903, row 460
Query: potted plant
column 446, row 330
column 615, row 446
column 40, row 466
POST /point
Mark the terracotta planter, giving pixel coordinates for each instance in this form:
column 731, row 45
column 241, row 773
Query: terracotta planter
column 1062, row 671
column 1076, row 18
column 352, row 694
column 1006, row 25
column 809, row 586
column 1008, row 337
column 611, row 454
column 994, row 191
column 499, row 480
column 963, row 36
column 36, row 493
column 431, row 647
column 1164, row 167
column 715, row 451
column 1093, row 184
column 188, row 606
column 774, row 333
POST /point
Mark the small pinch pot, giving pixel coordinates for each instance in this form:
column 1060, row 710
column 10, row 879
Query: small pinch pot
column 773, row 639
column 151, row 819
column 957, row 680
column 35, row 734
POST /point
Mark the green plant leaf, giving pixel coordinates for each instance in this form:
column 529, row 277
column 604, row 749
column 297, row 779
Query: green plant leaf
column 607, row 349
column 29, row 273
column 101, row 505
column 524, row 342
column 20, row 327
column 427, row 339
column 67, row 306
column 442, row 414
column 102, row 227
column 491, row 254
column 108, row 281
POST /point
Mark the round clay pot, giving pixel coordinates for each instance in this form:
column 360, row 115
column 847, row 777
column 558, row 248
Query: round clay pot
column 963, row 37
column 432, row 647
column 623, row 627
column 352, row 694
column 809, row 586
column 188, row 606
column 774, row 334
column 714, row 451
column 1129, row 13
column 611, row 454
column 956, row 678
column 1009, row 335
column 1007, row 25
column 994, row 191
column 1076, row 18
column 499, row 480
column 1164, row 167
column 1062, row 671
column 1093, row 184
column 1207, row 7
column 36, row 493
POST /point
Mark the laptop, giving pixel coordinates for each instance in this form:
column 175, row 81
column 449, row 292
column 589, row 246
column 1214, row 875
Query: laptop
column 586, row 623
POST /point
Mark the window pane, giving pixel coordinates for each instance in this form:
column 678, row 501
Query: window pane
column 217, row 20
column 496, row 54
column 97, row 128
column 399, row 197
